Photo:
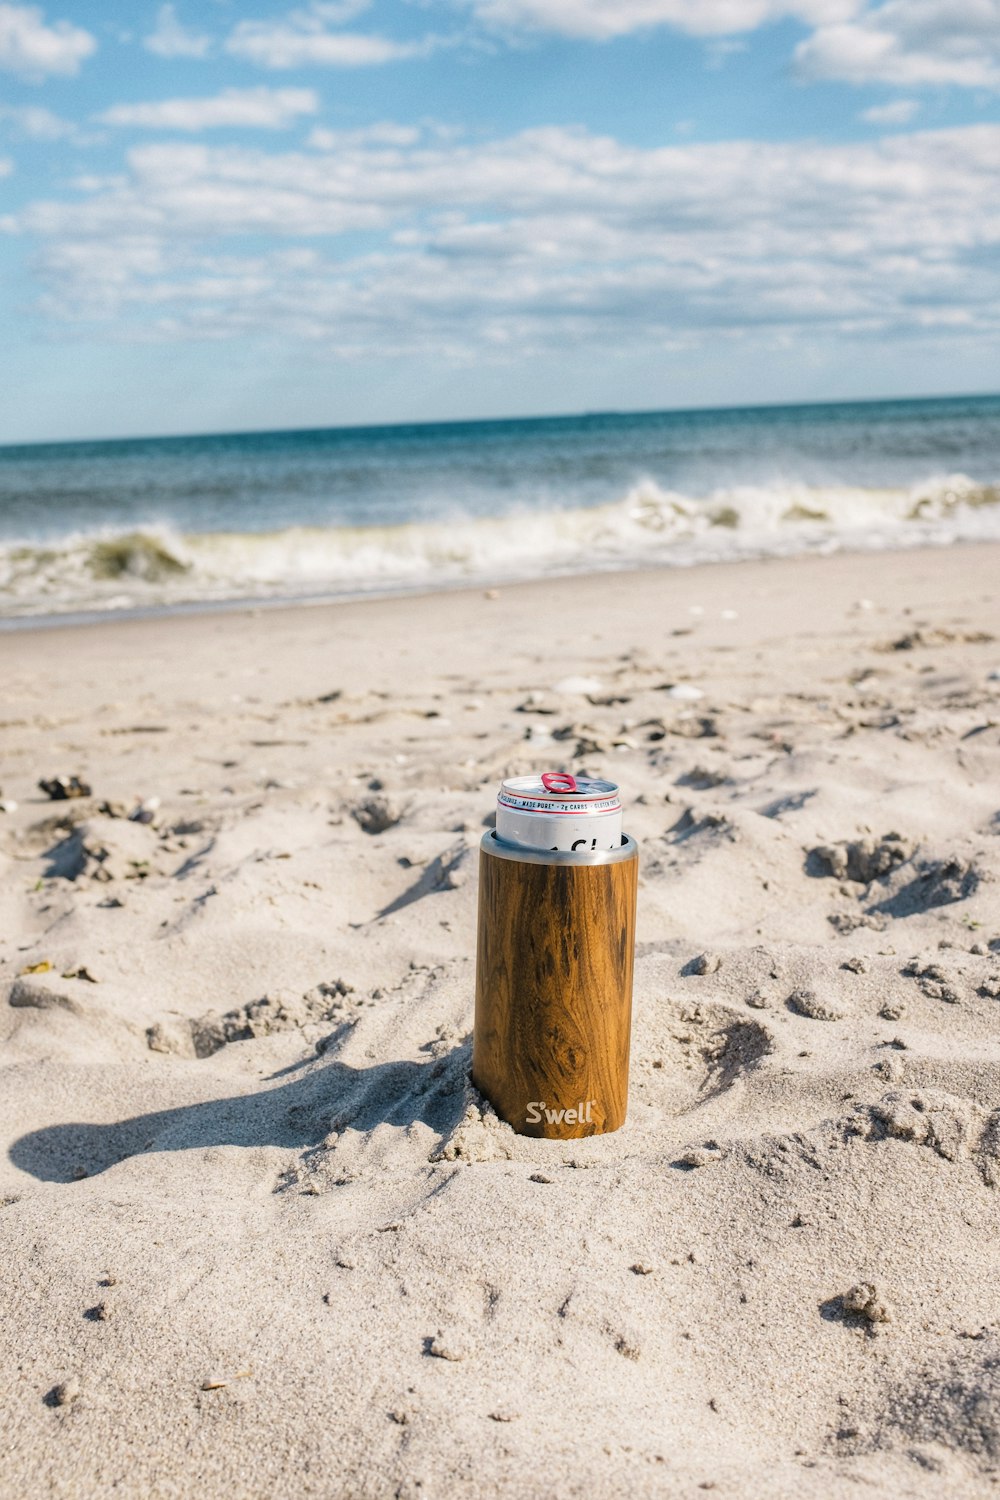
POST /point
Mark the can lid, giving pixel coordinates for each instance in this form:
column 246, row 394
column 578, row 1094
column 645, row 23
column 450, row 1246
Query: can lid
column 559, row 792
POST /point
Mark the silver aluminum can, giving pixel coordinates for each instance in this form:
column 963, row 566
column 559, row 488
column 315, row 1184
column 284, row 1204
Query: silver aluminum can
column 559, row 811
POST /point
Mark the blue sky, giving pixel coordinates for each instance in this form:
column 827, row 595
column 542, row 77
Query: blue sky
column 233, row 216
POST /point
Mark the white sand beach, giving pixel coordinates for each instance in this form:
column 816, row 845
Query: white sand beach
column 258, row 1234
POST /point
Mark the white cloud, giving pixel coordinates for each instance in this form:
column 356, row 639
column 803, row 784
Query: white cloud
column 6, row 166
column 303, row 38
column 909, row 43
column 896, row 112
column 33, row 122
column 385, row 133
column 551, row 236
column 33, row 49
column 602, row 19
column 171, row 38
column 905, row 43
column 270, row 109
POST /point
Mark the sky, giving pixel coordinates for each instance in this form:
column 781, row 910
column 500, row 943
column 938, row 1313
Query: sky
column 233, row 216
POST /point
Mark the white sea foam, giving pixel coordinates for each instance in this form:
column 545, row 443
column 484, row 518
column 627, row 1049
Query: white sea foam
column 649, row 526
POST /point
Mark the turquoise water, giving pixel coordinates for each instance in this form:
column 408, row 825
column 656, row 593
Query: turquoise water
column 129, row 524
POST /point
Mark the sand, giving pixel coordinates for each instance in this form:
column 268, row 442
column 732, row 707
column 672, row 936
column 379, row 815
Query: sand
column 259, row 1236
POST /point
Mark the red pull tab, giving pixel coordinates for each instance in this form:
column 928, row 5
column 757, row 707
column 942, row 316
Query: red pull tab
column 559, row 781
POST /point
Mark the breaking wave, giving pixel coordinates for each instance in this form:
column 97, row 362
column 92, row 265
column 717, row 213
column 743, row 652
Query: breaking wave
column 155, row 566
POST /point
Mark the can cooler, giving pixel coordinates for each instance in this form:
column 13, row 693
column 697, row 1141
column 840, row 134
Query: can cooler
column 554, row 964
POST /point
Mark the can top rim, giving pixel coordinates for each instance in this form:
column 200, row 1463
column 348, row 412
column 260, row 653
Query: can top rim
column 584, row 789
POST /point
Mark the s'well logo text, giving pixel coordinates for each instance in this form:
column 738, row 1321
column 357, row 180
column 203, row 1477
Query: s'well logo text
column 579, row 1116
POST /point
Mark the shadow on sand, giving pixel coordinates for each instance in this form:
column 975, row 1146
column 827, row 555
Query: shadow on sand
column 293, row 1116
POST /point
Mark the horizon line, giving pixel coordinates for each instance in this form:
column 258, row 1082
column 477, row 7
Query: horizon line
column 540, row 418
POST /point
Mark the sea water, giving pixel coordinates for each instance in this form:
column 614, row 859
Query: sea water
column 171, row 522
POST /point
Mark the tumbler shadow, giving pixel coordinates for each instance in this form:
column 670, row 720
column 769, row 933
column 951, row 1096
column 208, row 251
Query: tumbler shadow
column 293, row 1116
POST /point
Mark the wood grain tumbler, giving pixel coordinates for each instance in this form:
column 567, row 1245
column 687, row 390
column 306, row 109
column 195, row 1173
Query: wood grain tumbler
column 554, row 963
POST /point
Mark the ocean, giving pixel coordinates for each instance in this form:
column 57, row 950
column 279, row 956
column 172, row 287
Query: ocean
column 137, row 524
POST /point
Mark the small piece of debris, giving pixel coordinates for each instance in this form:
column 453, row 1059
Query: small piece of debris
column 66, row 1391
column 807, row 1003
column 642, row 1268
column 759, row 1000
column 866, row 1300
column 539, row 1177
column 856, row 965
column 846, row 922
column 441, row 1347
column 213, row 1385
column 145, row 810
column 893, row 1010
column 63, row 788
column 706, row 963
column 535, row 703
column 864, row 859
column 376, row 814
column 699, row 1156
